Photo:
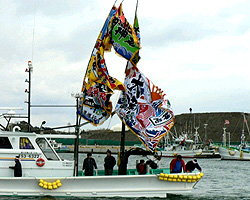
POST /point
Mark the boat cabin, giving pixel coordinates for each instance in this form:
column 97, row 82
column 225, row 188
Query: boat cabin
column 37, row 156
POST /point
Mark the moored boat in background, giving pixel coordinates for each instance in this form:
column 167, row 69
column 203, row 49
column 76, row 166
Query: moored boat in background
column 241, row 152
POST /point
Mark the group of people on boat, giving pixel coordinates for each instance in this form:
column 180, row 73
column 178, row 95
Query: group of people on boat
column 142, row 167
column 89, row 164
column 178, row 165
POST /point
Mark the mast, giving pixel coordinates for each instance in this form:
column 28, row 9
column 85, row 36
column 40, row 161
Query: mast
column 123, row 161
column 224, row 140
column 29, row 70
column 123, row 165
column 245, row 121
column 76, row 146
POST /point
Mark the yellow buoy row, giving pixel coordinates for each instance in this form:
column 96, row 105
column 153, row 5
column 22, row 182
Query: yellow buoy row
column 180, row 178
column 48, row 185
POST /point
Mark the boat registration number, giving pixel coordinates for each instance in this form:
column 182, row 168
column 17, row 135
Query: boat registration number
column 29, row 155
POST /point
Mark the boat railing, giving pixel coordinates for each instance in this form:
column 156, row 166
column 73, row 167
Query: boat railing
column 129, row 172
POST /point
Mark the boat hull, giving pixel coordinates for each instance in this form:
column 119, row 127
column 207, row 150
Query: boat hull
column 184, row 153
column 227, row 154
column 95, row 186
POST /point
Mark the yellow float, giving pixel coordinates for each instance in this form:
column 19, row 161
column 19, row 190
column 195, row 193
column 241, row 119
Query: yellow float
column 56, row 184
column 170, row 177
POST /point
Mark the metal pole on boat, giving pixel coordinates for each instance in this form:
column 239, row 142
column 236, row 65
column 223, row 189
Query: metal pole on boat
column 76, row 149
column 224, row 140
column 29, row 70
column 205, row 138
column 122, row 167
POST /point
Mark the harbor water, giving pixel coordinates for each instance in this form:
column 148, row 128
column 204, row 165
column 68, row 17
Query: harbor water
column 225, row 180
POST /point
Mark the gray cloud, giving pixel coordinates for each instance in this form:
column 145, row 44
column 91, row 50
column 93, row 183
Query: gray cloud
column 65, row 34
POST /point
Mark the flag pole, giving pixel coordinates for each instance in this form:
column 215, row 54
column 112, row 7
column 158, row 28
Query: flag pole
column 123, row 162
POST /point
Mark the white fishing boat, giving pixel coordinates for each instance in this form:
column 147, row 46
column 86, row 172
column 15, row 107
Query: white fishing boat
column 233, row 153
column 45, row 173
column 241, row 152
column 182, row 146
column 187, row 147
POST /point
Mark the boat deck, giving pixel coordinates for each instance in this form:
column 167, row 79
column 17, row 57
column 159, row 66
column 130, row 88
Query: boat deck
column 129, row 172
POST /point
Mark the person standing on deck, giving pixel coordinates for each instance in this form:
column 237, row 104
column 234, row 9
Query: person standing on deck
column 192, row 164
column 177, row 165
column 141, row 167
column 109, row 163
column 17, row 168
column 88, row 165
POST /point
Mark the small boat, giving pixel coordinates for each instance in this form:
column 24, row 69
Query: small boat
column 241, row 152
column 181, row 146
column 59, row 147
column 187, row 147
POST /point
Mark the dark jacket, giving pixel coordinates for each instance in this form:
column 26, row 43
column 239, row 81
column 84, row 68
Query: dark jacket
column 88, row 166
column 17, row 169
column 109, row 162
column 190, row 166
column 173, row 162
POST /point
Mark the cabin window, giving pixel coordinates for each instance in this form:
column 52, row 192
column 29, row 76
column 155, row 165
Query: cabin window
column 25, row 143
column 46, row 149
column 5, row 143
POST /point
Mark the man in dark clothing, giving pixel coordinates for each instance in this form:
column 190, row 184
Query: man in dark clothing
column 141, row 167
column 191, row 165
column 17, row 168
column 177, row 165
column 109, row 163
column 88, row 165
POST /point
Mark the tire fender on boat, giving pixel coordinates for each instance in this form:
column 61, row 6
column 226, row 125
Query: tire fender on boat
column 40, row 162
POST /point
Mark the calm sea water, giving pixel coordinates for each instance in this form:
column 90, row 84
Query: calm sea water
column 222, row 180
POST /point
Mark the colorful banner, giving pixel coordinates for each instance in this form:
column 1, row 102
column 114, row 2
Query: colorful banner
column 95, row 105
column 143, row 109
column 123, row 37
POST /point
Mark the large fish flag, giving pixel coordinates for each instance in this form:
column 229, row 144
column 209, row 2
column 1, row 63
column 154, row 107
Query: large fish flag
column 144, row 109
column 123, row 37
column 98, row 85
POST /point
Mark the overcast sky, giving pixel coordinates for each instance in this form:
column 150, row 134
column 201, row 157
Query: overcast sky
column 196, row 51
